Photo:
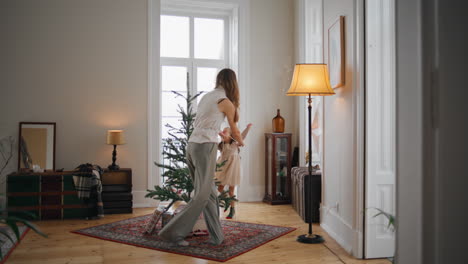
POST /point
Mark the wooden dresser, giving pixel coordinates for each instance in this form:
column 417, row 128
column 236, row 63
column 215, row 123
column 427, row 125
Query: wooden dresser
column 117, row 191
column 48, row 195
column 52, row 195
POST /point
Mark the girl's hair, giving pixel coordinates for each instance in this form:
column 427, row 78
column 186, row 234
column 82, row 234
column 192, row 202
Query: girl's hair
column 228, row 80
column 221, row 144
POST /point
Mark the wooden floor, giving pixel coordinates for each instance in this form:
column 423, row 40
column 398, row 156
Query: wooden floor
column 64, row 247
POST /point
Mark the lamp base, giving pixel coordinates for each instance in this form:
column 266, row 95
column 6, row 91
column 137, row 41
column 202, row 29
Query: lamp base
column 113, row 167
column 310, row 239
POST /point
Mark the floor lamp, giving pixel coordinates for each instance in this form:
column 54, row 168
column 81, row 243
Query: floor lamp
column 310, row 80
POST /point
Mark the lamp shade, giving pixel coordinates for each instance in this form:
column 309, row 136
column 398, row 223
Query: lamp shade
column 310, row 79
column 115, row 137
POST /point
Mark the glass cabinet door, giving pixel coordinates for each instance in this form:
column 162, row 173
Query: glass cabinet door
column 282, row 156
column 269, row 172
column 277, row 168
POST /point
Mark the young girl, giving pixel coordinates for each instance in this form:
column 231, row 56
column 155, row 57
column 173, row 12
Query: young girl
column 229, row 173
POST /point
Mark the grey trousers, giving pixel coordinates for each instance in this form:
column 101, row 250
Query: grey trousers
column 201, row 159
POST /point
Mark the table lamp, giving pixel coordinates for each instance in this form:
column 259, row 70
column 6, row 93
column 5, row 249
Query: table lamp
column 115, row 137
column 310, row 80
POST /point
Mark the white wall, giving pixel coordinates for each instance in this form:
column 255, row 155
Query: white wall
column 271, row 63
column 340, row 135
column 82, row 64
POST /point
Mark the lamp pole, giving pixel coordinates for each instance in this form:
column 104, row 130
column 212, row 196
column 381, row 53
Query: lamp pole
column 310, row 79
column 310, row 238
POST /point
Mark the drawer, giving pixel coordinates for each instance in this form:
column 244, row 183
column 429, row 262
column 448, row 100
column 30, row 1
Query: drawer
column 31, row 214
column 71, row 199
column 68, row 184
column 51, row 178
column 14, row 201
column 118, row 210
column 23, row 183
column 118, row 204
column 116, row 188
column 51, row 214
column 75, row 213
column 124, row 196
column 51, row 199
column 51, row 186
column 116, row 177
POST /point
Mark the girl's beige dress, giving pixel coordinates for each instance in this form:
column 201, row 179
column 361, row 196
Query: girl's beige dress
column 229, row 174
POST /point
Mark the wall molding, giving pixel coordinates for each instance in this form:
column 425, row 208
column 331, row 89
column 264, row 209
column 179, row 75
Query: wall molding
column 154, row 9
column 337, row 228
column 139, row 199
column 141, row 205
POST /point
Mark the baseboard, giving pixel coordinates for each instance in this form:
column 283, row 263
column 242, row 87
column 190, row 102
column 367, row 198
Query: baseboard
column 141, row 205
column 337, row 228
column 140, row 201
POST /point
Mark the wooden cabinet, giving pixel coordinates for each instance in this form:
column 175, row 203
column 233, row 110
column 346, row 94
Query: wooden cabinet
column 117, row 191
column 49, row 195
column 52, row 195
column 277, row 168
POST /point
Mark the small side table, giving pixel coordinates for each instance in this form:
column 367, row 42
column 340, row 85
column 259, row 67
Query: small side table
column 117, row 191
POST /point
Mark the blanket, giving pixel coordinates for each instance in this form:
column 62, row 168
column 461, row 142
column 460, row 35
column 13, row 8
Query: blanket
column 89, row 187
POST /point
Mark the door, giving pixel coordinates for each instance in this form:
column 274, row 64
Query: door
column 380, row 127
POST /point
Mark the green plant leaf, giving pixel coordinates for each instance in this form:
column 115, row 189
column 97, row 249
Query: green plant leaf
column 28, row 224
column 390, row 217
column 12, row 224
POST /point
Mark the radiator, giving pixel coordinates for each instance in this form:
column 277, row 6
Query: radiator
column 302, row 184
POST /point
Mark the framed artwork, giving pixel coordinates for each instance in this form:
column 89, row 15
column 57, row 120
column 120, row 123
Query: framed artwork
column 336, row 56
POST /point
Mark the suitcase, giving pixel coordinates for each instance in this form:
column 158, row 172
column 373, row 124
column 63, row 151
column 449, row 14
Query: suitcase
column 300, row 190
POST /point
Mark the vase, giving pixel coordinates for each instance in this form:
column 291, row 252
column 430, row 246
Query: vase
column 278, row 123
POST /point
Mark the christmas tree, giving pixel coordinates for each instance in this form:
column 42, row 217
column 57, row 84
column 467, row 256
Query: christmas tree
column 177, row 183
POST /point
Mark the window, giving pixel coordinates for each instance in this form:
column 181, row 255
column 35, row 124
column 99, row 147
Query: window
column 182, row 46
column 193, row 45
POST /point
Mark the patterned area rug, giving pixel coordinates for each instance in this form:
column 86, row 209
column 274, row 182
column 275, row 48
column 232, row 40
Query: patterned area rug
column 240, row 237
column 6, row 245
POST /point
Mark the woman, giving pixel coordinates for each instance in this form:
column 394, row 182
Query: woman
column 222, row 102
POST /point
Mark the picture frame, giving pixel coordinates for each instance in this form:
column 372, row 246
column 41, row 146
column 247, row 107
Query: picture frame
column 336, row 53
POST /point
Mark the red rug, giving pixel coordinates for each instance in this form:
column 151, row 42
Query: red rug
column 240, row 237
column 6, row 245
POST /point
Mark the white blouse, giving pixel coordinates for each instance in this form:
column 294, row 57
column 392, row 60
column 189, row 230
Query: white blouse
column 208, row 120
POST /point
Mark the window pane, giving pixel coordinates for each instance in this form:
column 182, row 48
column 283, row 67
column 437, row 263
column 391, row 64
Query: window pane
column 174, row 121
column 175, row 36
column 209, row 38
column 206, row 79
column 174, row 78
column 170, row 104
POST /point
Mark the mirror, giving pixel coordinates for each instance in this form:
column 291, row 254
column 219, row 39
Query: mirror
column 36, row 145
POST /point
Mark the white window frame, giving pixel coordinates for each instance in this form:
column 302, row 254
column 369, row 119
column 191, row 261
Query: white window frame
column 238, row 14
column 191, row 62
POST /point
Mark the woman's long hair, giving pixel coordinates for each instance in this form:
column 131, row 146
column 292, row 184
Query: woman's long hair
column 228, row 80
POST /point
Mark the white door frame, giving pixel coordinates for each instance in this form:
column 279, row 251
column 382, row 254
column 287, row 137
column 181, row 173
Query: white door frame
column 380, row 146
column 360, row 117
